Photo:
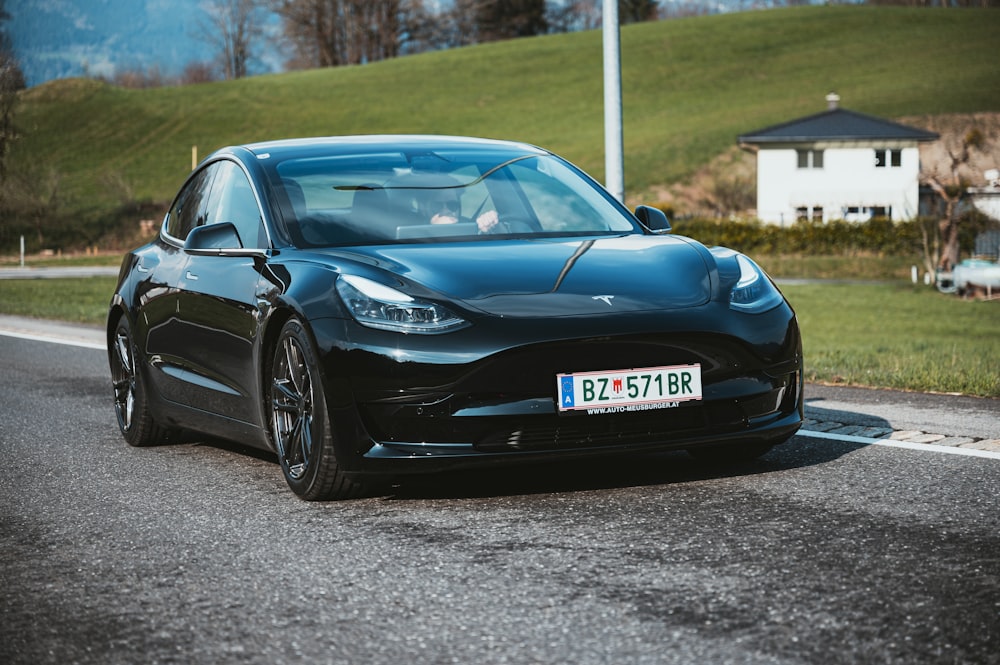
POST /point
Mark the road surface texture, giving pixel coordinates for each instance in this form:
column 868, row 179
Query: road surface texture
column 827, row 550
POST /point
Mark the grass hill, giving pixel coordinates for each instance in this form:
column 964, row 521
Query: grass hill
column 690, row 87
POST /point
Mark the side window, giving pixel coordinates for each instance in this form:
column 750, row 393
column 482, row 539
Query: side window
column 233, row 201
column 188, row 210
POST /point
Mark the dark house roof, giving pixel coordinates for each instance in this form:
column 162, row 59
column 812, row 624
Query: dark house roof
column 836, row 125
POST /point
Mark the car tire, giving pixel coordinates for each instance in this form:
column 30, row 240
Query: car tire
column 299, row 421
column 135, row 420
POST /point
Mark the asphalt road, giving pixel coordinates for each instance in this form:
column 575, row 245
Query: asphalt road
column 825, row 551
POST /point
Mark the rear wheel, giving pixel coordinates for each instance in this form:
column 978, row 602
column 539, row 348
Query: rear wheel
column 131, row 406
column 300, row 423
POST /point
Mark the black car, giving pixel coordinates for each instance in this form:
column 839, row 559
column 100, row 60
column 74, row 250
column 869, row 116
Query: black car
column 367, row 307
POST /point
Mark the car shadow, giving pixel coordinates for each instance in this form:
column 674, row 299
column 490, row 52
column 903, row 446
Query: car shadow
column 577, row 475
column 232, row 447
column 620, row 472
column 814, row 411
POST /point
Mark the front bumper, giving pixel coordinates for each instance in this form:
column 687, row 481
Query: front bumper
column 467, row 399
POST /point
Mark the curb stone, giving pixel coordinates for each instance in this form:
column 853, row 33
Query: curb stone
column 910, row 436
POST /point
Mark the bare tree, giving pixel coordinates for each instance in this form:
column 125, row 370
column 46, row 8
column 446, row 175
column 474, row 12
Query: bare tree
column 328, row 33
column 951, row 189
column 507, row 19
column 637, row 11
column 424, row 29
column 462, row 23
column 140, row 77
column 575, row 15
column 234, row 26
column 198, row 72
column 11, row 82
column 34, row 195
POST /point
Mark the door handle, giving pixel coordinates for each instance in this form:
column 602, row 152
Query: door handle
column 190, row 275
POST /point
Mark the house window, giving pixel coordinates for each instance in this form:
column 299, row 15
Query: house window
column 809, row 159
column 856, row 214
column 866, row 213
column 807, row 213
column 884, row 158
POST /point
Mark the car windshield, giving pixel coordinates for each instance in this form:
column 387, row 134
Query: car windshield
column 395, row 197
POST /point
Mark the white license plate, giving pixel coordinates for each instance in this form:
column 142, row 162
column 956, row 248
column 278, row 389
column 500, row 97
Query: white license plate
column 629, row 389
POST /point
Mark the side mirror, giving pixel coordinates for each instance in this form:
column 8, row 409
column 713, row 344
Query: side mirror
column 653, row 219
column 212, row 239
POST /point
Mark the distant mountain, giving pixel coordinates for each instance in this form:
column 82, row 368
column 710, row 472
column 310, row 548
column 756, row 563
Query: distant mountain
column 63, row 38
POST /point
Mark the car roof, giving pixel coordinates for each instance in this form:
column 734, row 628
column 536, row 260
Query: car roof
column 328, row 145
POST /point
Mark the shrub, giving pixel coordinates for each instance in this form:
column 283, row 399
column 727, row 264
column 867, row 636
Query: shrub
column 881, row 237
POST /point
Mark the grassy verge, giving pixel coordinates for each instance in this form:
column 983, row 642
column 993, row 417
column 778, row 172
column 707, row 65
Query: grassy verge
column 898, row 336
column 891, row 335
column 63, row 261
column 76, row 300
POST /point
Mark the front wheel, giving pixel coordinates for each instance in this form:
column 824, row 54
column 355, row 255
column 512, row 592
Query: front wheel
column 299, row 421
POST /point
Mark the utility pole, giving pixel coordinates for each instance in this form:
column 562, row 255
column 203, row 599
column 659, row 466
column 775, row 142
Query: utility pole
column 614, row 170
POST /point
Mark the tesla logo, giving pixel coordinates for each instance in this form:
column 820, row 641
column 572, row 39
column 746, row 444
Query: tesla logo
column 605, row 299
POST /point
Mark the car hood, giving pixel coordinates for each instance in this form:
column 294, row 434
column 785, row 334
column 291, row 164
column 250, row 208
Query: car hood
column 552, row 277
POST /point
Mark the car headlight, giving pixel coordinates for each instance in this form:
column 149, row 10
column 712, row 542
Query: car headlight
column 378, row 306
column 753, row 290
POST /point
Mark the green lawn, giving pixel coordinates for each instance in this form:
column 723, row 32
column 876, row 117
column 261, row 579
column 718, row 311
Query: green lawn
column 690, row 87
column 891, row 335
column 75, row 300
column 898, row 336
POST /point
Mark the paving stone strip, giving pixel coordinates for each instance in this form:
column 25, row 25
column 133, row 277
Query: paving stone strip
column 910, row 436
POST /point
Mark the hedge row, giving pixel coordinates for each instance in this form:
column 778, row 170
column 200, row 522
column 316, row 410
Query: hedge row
column 877, row 236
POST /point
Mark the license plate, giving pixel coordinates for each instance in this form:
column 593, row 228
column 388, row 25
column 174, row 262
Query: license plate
column 629, row 389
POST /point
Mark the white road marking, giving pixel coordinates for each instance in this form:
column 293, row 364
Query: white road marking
column 890, row 443
column 55, row 340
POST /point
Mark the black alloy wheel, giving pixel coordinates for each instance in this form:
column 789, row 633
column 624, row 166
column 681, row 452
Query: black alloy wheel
column 299, row 422
column 131, row 408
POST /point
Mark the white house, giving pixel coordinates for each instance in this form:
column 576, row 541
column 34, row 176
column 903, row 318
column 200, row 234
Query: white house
column 838, row 164
column 987, row 199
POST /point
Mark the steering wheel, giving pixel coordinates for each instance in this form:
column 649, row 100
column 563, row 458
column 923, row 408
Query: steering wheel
column 515, row 224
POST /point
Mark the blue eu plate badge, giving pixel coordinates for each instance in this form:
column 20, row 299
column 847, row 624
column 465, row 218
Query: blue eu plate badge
column 566, row 394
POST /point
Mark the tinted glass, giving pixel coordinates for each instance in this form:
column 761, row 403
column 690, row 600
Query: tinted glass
column 456, row 194
column 188, row 210
column 232, row 200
